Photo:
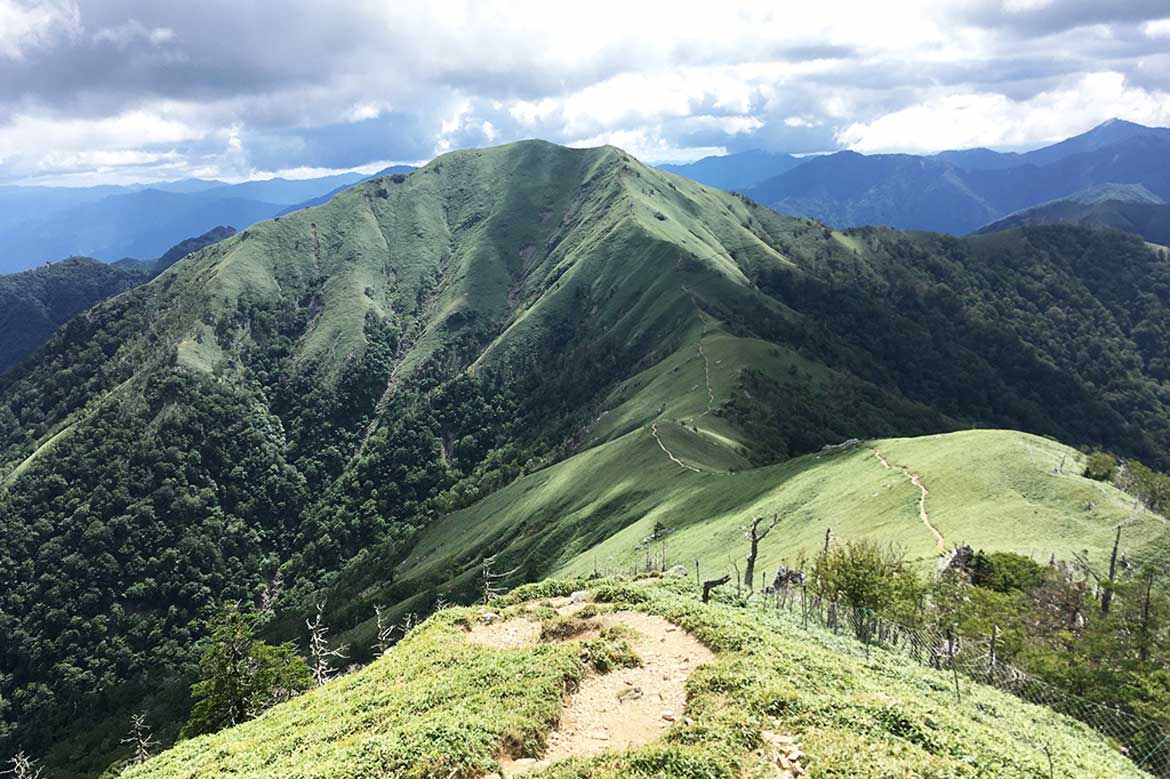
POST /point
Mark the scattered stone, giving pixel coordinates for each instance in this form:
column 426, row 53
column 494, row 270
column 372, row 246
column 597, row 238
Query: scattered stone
column 678, row 570
column 630, row 693
column 668, row 716
column 580, row 596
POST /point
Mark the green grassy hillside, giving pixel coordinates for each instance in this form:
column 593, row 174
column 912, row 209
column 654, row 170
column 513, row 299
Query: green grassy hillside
column 994, row 490
column 441, row 705
column 538, row 352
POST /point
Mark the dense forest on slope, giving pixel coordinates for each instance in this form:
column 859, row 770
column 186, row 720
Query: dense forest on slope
column 300, row 401
column 36, row 302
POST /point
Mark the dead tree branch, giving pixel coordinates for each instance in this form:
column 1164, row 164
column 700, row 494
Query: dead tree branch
column 321, row 656
column 755, row 536
column 711, row 584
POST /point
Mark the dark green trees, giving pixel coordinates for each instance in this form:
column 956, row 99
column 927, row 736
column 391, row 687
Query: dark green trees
column 241, row 676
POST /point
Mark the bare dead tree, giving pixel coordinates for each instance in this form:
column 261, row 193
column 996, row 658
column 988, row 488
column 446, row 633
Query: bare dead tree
column 1144, row 646
column 1107, row 591
column 21, row 766
column 491, row 579
column 321, row 656
column 272, row 593
column 385, row 631
column 408, row 623
column 140, row 739
column 755, row 536
column 711, row 584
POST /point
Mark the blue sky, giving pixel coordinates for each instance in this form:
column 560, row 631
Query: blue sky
column 116, row 91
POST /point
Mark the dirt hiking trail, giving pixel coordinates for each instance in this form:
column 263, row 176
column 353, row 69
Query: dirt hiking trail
column 916, row 480
column 625, row 708
column 662, row 446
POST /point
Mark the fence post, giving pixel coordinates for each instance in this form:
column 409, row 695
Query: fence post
column 954, row 667
column 991, row 660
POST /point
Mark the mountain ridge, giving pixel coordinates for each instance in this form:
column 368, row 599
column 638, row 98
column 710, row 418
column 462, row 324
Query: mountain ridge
column 957, row 192
column 310, row 396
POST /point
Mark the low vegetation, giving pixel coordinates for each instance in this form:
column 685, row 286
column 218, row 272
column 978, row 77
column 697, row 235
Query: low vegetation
column 440, row 705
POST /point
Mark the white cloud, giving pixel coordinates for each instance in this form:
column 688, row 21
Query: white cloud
column 125, row 131
column 1023, row 6
column 363, row 111
column 106, row 158
column 1159, row 28
column 673, row 80
column 984, row 119
column 647, row 145
column 24, row 26
column 132, row 32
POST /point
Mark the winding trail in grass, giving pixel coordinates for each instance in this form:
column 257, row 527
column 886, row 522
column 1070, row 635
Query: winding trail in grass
column 707, row 378
column 662, row 446
column 916, row 480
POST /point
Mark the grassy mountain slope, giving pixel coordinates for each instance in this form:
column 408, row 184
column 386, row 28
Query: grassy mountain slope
column 440, row 705
column 609, row 507
column 312, row 396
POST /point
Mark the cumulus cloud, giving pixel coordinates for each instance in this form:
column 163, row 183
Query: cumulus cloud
column 25, row 26
column 968, row 120
column 234, row 89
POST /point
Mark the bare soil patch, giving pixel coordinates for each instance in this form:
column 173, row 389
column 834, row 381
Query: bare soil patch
column 514, row 633
column 627, row 707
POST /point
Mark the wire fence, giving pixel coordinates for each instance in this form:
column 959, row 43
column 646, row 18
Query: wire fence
column 1146, row 742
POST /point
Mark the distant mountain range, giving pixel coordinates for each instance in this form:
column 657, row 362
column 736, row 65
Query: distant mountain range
column 954, row 191
column 39, row 224
column 736, row 171
column 1128, row 207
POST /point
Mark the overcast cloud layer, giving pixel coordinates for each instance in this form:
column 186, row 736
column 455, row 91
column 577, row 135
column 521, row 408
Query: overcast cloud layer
column 95, row 91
